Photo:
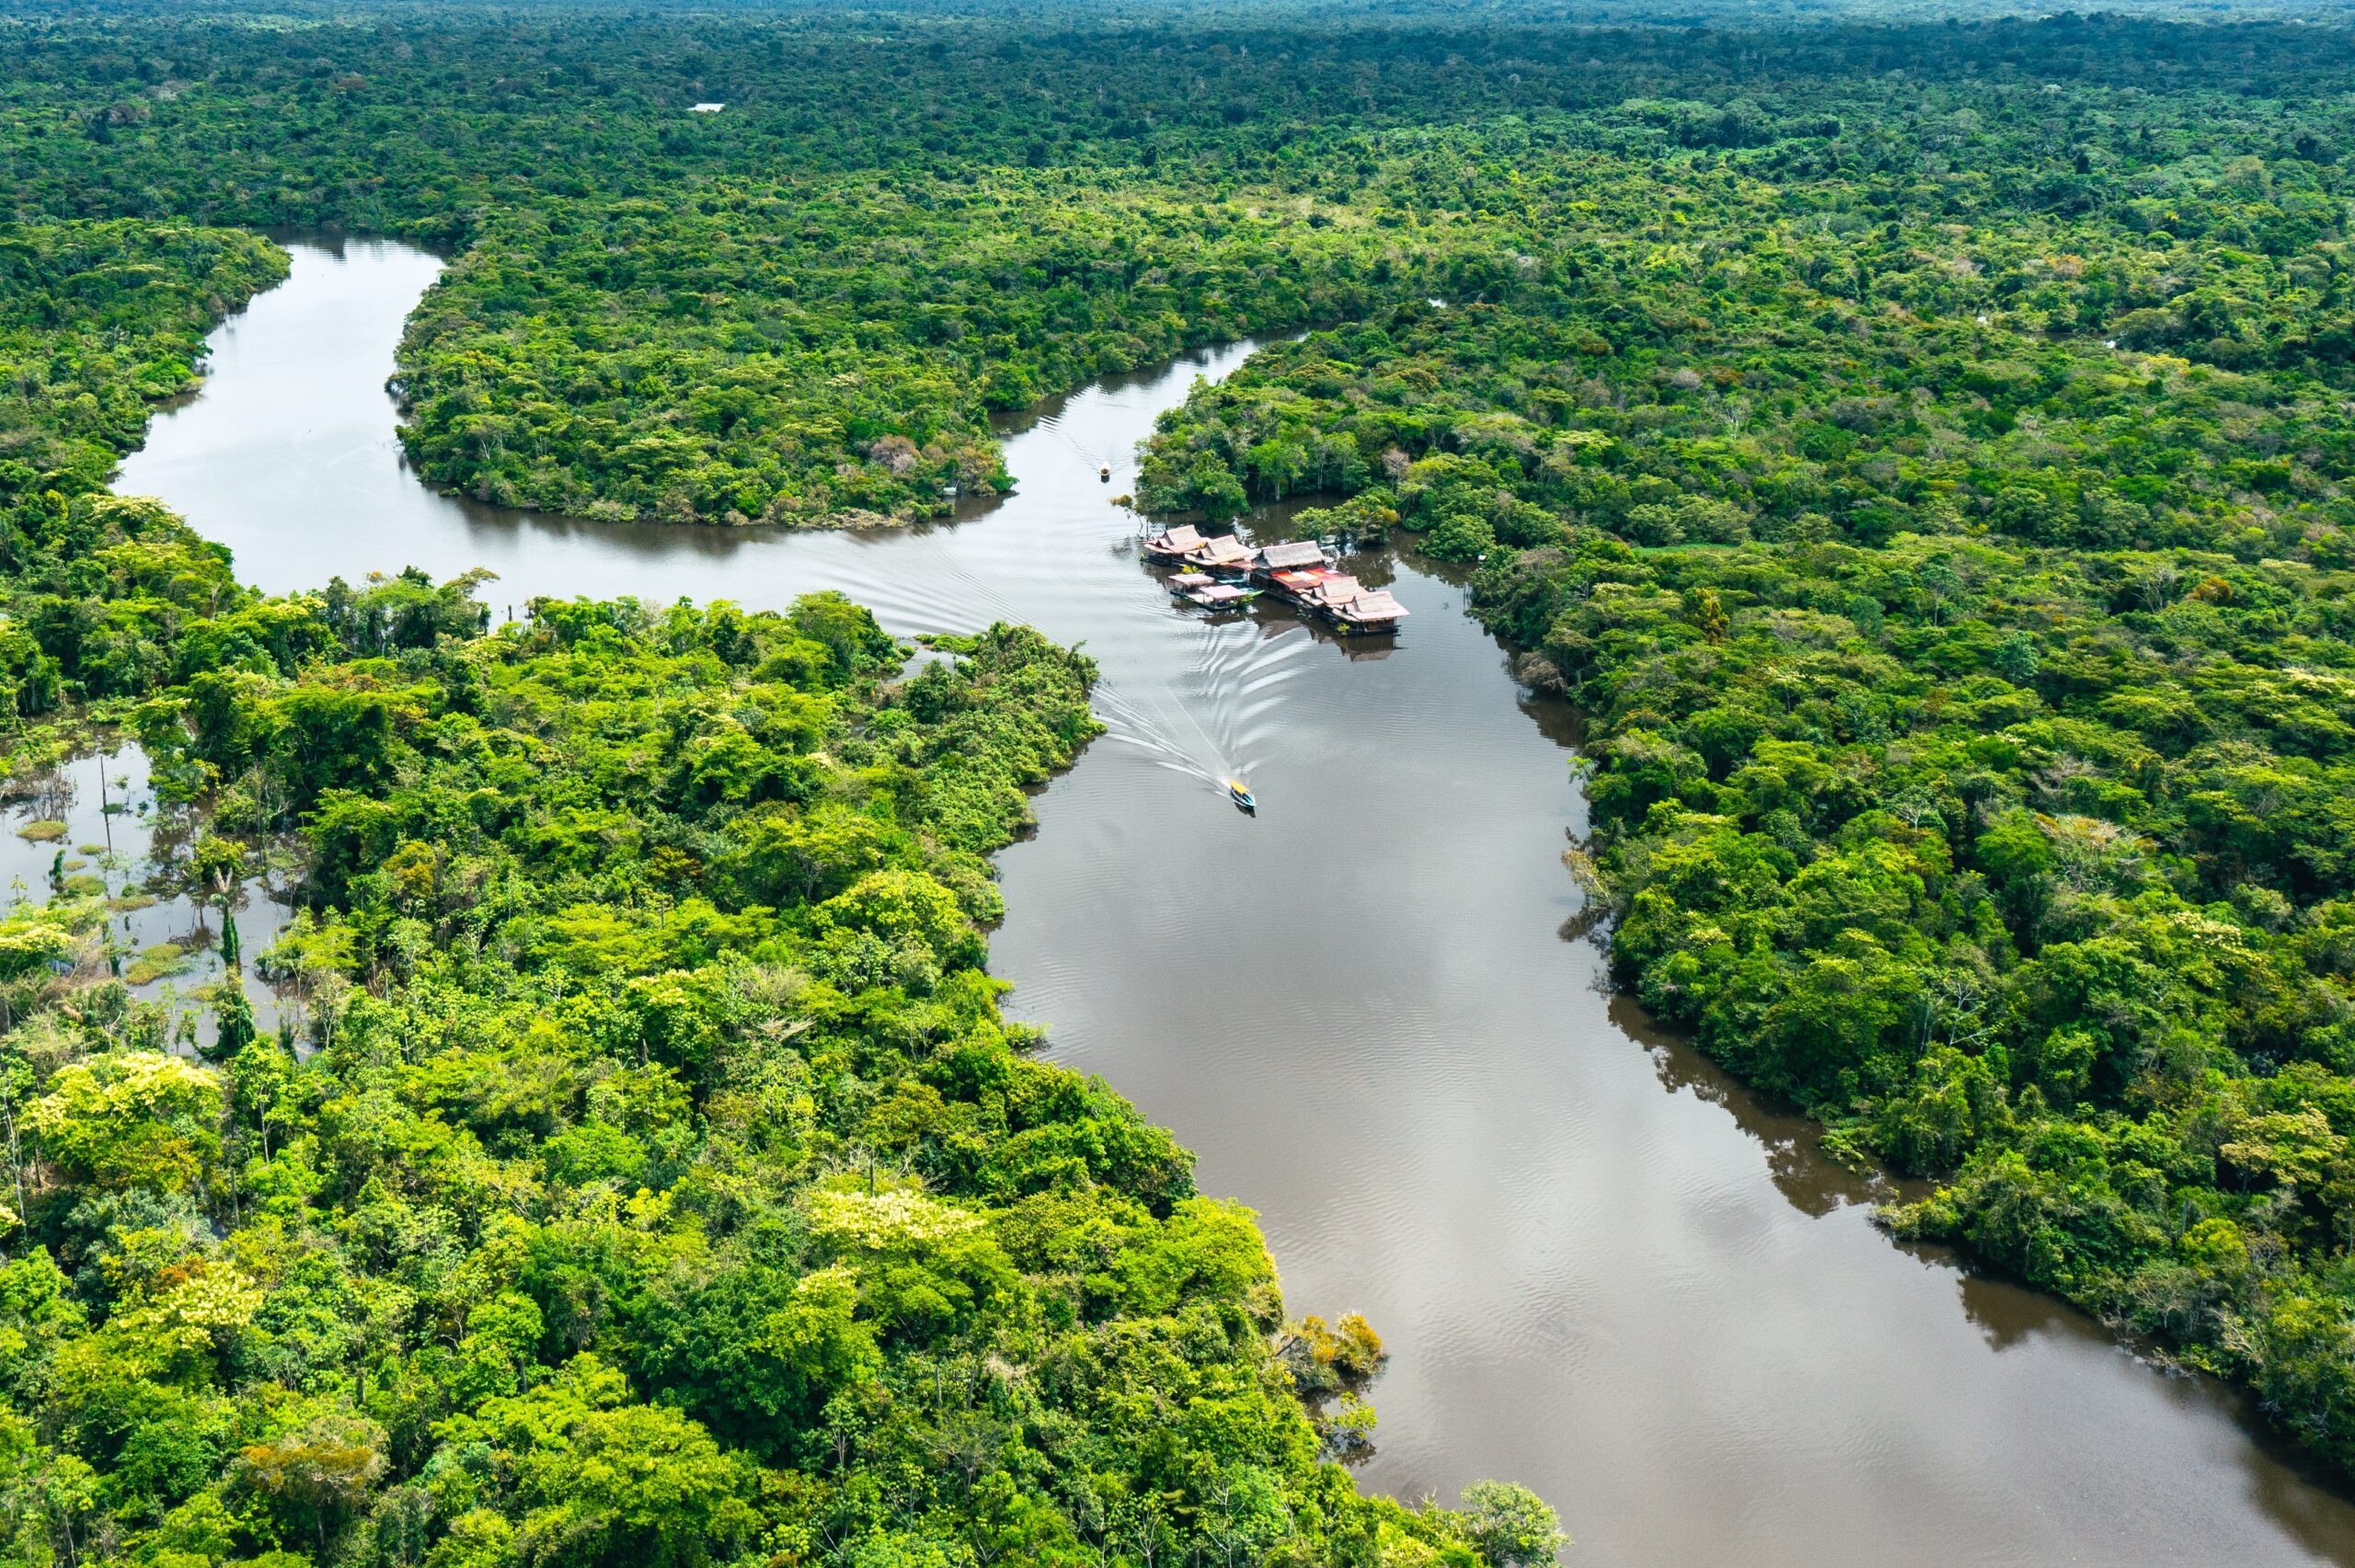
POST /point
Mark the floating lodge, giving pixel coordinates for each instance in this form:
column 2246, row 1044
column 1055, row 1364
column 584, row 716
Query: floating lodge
column 1221, row 572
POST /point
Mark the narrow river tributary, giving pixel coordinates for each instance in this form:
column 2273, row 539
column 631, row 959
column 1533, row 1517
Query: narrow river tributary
column 1599, row 1270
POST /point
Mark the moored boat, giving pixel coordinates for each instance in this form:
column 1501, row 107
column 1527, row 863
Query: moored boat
column 1297, row 587
column 1347, row 606
column 1211, row 594
column 1216, row 569
column 1331, row 589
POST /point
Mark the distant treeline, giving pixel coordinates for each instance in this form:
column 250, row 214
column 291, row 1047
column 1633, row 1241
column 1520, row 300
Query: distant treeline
column 802, row 308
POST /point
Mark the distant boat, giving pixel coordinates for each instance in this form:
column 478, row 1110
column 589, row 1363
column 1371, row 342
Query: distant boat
column 1242, row 796
column 1105, row 473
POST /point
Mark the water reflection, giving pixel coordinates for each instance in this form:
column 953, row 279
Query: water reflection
column 93, row 828
column 2282, row 1481
column 1813, row 1183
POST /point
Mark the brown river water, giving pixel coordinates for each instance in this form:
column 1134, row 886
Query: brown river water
column 1602, row 1269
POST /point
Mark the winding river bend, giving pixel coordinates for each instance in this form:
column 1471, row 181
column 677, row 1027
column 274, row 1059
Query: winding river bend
column 1601, row 1270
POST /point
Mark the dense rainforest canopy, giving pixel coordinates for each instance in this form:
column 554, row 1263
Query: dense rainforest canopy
column 642, row 1171
column 804, row 305
column 1924, row 451
column 1953, row 562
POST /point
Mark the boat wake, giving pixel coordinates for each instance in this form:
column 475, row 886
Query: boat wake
column 1150, row 733
column 1217, row 727
column 1240, row 676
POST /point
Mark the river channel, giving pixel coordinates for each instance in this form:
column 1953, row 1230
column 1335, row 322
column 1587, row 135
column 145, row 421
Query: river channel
column 1601, row 1270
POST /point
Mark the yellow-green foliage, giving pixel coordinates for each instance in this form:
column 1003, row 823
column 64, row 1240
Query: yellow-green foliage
column 660, row 1177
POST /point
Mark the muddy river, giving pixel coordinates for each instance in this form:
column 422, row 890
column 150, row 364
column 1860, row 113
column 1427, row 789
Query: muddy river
column 1601, row 1270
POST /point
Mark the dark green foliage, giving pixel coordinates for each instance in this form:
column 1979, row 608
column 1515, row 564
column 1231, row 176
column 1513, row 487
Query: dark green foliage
column 643, row 1173
column 98, row 321
column 823, row 352
column 801, row 308
column 1956, row 583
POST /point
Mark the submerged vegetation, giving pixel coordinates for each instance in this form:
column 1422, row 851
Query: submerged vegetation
column 1923, row 452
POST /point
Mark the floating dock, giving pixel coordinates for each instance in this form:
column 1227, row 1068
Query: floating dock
column 1200, row 588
